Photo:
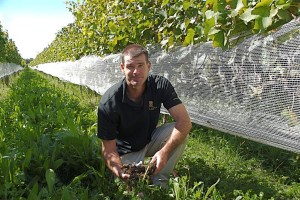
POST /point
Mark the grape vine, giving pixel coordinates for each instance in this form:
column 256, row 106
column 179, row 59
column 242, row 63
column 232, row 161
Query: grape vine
column 8, row 50
column 104, row 27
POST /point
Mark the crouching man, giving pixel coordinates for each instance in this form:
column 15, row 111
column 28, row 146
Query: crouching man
column 128, row 115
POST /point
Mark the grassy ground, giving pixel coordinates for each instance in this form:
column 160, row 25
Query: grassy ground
column 49, row 150
column 244, row 167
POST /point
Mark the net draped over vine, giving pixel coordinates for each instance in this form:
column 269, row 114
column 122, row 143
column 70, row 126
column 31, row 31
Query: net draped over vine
column 251, row 90
column 7, row 69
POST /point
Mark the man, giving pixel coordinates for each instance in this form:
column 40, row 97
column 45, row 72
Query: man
column 128, row 114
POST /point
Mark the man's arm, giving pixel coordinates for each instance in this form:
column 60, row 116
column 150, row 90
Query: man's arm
column 183, row 126
column 112, row 158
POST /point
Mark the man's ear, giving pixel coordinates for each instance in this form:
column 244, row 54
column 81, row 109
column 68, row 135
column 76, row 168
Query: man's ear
column 149, row 65
column 122, row 67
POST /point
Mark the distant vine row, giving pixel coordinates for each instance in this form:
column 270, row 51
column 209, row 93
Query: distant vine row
column 8, row 51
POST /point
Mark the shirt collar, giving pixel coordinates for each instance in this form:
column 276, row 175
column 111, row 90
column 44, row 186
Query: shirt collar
column 125, row 98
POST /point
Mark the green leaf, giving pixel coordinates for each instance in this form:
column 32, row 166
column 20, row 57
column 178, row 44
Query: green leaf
column 284, row 14
column 171, row 41
column 187, row 22
column 280, row 2
column 258, row 25
column 219, row 39
column 266, row 22
column 90, row 33
column 27, row 159
column 261, row 11
column 60, row 116
column 58, row 163
column 273, row 11
column 263, row 8
column 209, row 14
column 66, row 195
column 72, row 126
column 145, row 34
column 283, row 6
column 112, row 26
column 165, row 2
column 264, row 3
column 189, row 37
column 213, row 31
column 50, row 178
column 208, row 24
column 211, row 188
column 172, row 11
column 247, row 16
column 34, row 192
column 114, row 42
column 238, row 7
column 186, row 5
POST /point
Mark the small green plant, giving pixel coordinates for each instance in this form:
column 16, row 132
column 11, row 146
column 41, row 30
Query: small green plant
column 50, row 178
column 181, row 190
column 248, row 195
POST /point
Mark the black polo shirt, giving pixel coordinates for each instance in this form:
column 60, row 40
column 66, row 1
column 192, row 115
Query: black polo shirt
column 132, row 124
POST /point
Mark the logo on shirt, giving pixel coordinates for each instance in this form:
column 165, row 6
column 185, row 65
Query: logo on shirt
column 151, row 106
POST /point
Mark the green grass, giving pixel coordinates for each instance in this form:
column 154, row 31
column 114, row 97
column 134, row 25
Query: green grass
column 241, row 165
column 49, row 150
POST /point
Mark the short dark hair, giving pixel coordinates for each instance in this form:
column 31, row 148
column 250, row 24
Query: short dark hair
column 135, row 50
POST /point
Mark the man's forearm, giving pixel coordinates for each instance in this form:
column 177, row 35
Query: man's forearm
column 179, row 134
column 182, row 128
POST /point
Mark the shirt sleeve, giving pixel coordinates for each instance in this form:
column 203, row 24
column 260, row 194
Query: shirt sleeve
column 106, row 128
column 170, row 97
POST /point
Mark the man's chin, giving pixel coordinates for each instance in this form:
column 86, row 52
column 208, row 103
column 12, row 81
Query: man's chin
column 134, row 83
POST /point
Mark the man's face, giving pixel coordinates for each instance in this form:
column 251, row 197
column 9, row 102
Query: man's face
column 136, row 70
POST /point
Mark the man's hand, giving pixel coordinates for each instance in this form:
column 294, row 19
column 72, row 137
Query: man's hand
column 160, row 159
column 118, row 172
column 123, row 176
column 112, row 159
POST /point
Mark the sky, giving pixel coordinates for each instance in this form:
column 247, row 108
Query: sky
column 32, row 24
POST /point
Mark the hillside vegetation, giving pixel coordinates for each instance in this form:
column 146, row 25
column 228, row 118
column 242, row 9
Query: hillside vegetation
column 104, row 27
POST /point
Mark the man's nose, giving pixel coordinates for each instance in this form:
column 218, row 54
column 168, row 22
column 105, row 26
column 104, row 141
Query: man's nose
column 135, row 70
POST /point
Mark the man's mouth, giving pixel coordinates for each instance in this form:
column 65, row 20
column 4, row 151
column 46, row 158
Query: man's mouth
column 136, row 78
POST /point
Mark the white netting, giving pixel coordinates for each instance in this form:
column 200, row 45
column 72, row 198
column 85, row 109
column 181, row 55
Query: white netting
column 8, row 69
column 251, row 90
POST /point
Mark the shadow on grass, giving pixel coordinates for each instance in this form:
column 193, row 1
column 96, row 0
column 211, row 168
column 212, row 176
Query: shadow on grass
column 278, row 161
column 275, row 162
column 200, row 171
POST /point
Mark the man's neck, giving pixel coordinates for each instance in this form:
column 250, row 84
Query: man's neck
column 135, row 93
